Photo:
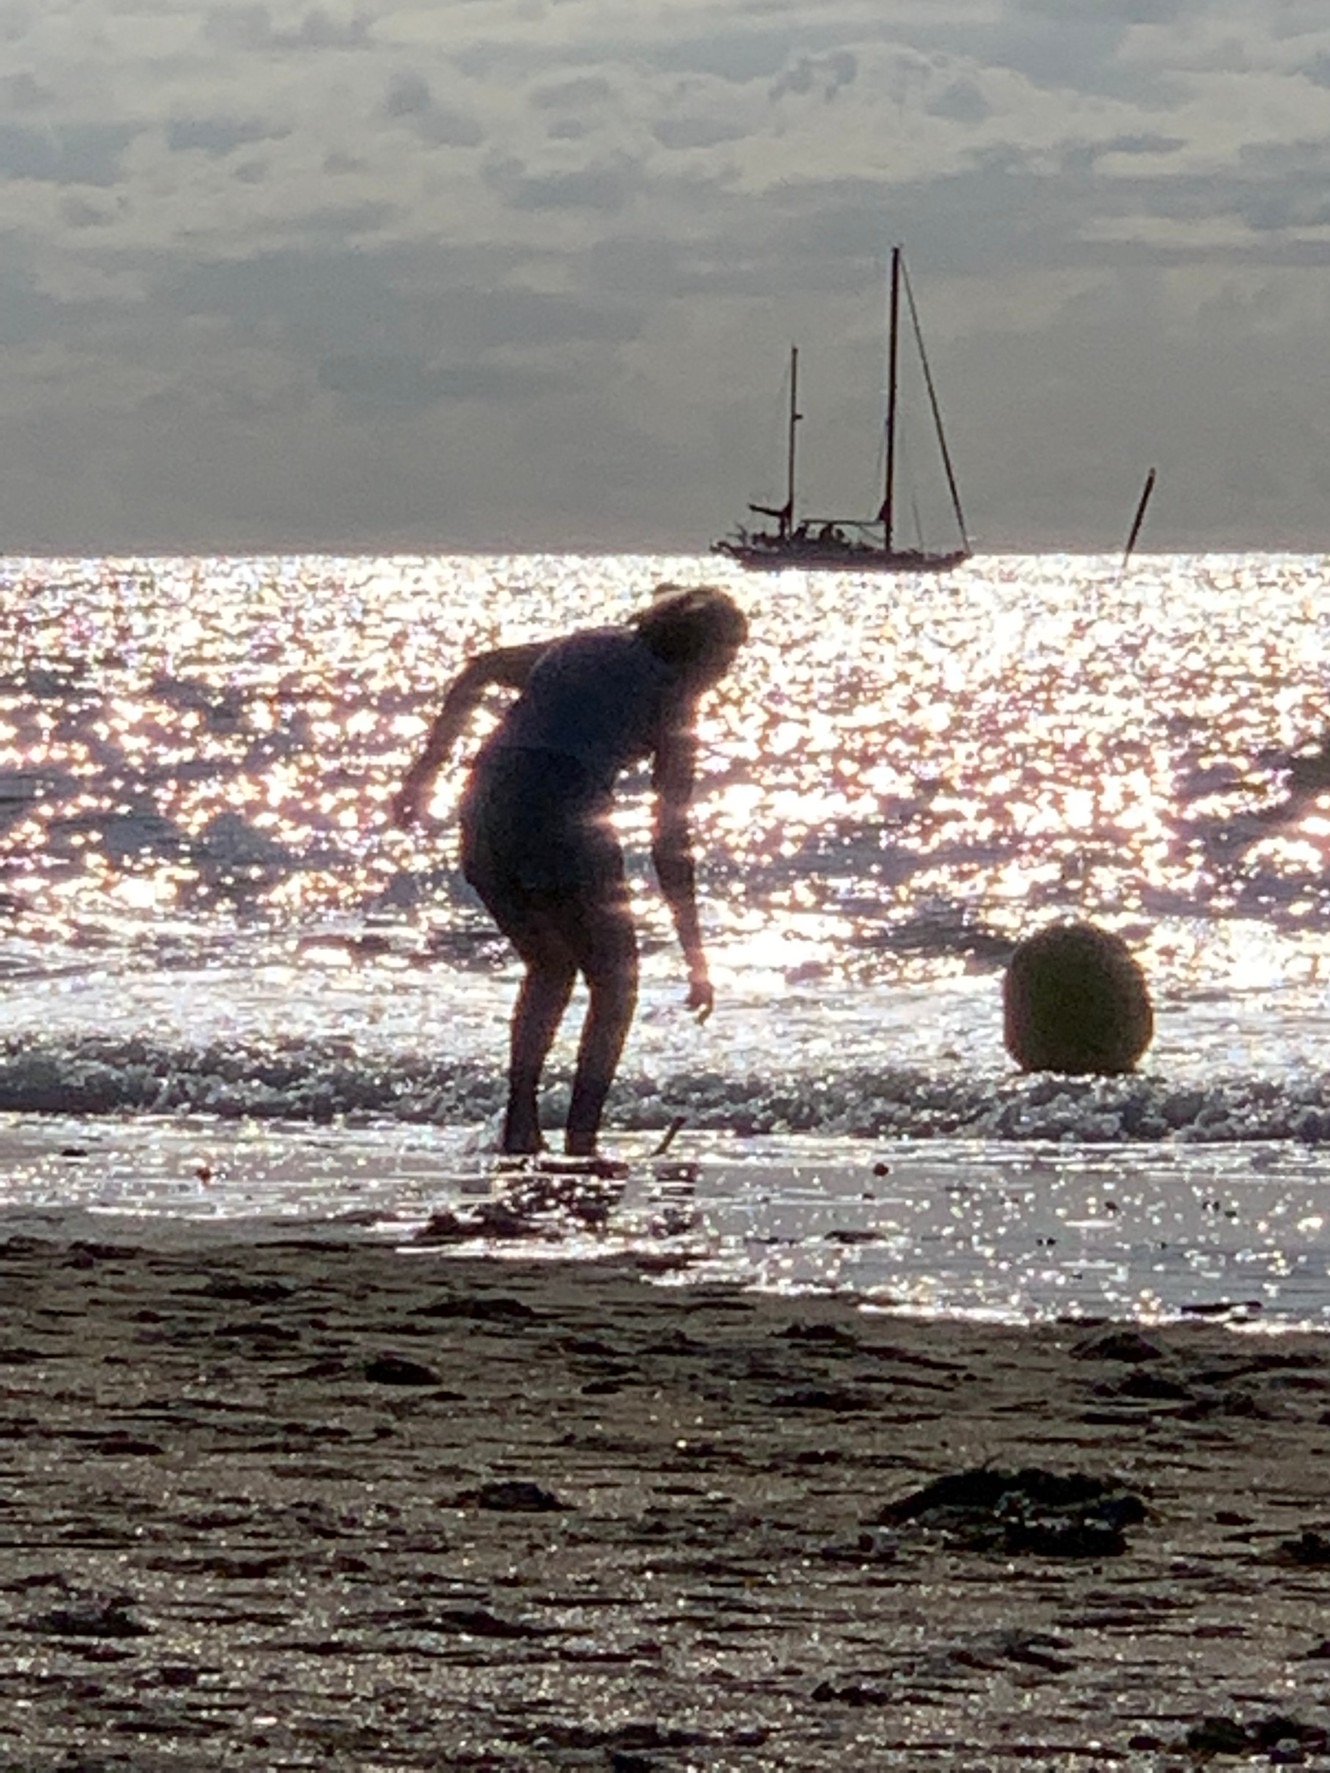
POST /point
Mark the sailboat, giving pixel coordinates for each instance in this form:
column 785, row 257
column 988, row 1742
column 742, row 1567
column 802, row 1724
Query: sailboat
column 840, row 544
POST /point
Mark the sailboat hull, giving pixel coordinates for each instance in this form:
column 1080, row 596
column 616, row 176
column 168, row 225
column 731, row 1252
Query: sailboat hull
column 789, row 556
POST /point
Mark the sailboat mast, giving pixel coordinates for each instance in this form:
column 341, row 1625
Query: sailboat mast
column 893, row 327
column 795, row 416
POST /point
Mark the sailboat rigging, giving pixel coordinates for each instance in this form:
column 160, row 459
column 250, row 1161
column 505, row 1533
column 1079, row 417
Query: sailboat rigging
column 855, row 544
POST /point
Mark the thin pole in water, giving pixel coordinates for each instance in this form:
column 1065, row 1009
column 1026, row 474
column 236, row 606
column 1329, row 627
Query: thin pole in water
column 672, row 1131
column 1138, row 520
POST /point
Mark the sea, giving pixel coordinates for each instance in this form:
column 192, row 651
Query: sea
column 234, row 997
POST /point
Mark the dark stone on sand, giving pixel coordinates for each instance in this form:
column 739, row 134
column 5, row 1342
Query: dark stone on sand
column 1218, row 1736
column 259, row 1331
column 1269, row 1732
column 852, row 1692
column 489, row 1218
column 828, row 1336
column 1232, row 1402
column 91, row 1618
column 499, row 1309
column 240, row 1291
column 446, row 1227
column 1147, row 1386
column 518, row 1496
column 1117, row 1345
column 178, row 1674
column 86, row 1253
column 1228, row 1736
column 20, row 1244
column 1310, row 1550
column 619, row 1740
column 479, row 1622
column 985, row 1486
column 396, row 1369
column 839, row 1399
column 120, row 1444
column 1048, row 1514
column 1076, row 1001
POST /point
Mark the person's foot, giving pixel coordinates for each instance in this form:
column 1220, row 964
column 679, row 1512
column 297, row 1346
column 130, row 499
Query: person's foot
column 519, row 1160
column 521, row 1142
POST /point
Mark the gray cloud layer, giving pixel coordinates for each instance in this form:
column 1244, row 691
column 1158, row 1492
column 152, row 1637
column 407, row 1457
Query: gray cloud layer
column 525, row 273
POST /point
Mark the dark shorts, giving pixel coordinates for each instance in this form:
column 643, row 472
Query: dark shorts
column 538, row 847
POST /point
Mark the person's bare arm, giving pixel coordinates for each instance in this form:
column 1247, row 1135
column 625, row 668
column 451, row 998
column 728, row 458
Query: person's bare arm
column 508, row 666
column 673, row 776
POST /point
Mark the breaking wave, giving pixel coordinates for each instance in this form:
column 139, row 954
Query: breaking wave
column 312, row 1082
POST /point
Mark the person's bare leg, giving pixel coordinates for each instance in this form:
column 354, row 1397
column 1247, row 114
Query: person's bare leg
column 609, row 1016
column 536, row 1016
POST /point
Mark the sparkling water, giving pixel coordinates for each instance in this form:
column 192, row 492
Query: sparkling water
column 233, row 989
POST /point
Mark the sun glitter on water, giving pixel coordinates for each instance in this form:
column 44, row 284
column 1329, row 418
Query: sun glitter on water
column 219, row 739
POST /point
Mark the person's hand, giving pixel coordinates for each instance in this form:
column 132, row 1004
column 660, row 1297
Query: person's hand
column 701, row 993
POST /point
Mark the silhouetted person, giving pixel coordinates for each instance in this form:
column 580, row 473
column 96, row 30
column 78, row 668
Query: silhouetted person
column 537, row 842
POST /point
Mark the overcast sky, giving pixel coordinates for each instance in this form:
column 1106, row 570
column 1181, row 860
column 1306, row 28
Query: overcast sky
column 525, row 273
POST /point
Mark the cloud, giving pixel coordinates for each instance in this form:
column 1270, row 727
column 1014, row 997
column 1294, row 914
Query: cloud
column 24, row 92
column 251, row 27
column 410, row 98
column 1126, row 12
column 607, row 186
column 962, row 101
column 824, row 75
column 26, row 316
column 216, row 135
column 685, row 132
column 385, row 384
column 579, row 94
column 76, row 154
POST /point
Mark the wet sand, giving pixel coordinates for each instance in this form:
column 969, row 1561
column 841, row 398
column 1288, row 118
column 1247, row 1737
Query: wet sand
column 316, row 1503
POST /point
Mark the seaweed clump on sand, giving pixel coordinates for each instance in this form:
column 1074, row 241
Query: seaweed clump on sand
column 1048, row 1514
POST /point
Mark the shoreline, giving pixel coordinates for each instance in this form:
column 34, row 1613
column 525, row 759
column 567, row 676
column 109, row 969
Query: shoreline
column 990, row 1232
column 310, row 1502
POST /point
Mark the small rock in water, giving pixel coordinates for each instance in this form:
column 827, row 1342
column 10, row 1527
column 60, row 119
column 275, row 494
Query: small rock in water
column 1076, row 1001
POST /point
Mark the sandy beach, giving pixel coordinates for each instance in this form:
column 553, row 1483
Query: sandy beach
column 313, row 1502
